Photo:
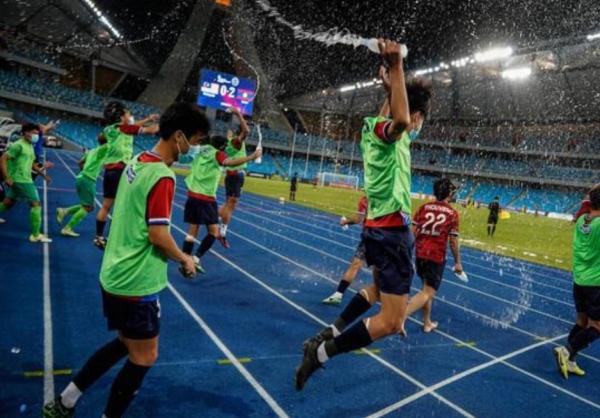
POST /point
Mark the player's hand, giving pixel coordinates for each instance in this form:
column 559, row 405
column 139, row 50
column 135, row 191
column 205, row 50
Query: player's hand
column 153, row 117
column 9, row 182
column 188, row 266
column 48, row 179
column 343, row 221
column 385, row 78
column 390, row 51
column 257, row 153
column 458, row 268
column 235, row 111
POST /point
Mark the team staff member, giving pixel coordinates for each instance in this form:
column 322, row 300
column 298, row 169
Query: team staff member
column 494, row 208
column 119, row 136
column 234, row 176
column 586, row 287
column 134, row 266
column 16, row 165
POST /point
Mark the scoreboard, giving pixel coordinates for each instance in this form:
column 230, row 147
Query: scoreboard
column 222, row 91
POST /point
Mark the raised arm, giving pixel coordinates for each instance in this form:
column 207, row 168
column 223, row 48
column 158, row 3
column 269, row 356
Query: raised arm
column 244, row 129
column 398, row 97
column 237, row 161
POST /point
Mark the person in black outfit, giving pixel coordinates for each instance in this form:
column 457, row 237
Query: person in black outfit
column 293, row 187
column 494, row 208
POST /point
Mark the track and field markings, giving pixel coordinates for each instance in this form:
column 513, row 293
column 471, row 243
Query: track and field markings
column 48, row 343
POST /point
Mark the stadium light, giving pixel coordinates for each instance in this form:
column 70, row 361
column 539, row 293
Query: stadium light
column 493, row 54
column 347, row 88
column 103, row 19
column 516, row 73
column 593, row 36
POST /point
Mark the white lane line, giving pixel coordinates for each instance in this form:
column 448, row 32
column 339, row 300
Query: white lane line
column 215, row 339
column 466, row 373
column 48, row 343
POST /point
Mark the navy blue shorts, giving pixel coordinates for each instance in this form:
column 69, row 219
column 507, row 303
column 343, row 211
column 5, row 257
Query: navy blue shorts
column 110, row 184
column 134, row 320
column 430, row 272
column 390, row 252
column 587, row 300
column 200, row 212
column 234, row 184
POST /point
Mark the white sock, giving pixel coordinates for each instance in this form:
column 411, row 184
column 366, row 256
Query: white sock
column 70, row 395
column 223, row 229
column 336, row 332
column 322, row 354
column 338, row 294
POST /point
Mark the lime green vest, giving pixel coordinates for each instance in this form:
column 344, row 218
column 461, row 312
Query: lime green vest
column 386, row 170
column 205, row 172
column 120, row 145
column 21, row 160
column 234, row 153
column 132, row 266
column 586, row 252
column 94, row 160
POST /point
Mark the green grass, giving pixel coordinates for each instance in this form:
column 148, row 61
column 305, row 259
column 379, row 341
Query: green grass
column 538, row 239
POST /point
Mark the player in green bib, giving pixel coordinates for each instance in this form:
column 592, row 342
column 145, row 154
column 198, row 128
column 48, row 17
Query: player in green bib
column 119, row 132
column 388, row 240
column 586, row 287
column 16, row 165
column 85, row 183
column 234, row 176
column 202, row 184
column 134, row 266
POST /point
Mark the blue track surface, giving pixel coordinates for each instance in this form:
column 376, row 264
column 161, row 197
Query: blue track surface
column 260, row 299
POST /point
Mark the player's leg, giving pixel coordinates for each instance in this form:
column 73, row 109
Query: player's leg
column 494, row 226
column 431, row 274
column 233, row 191
column 489, row 229
column 30, row 193
column 190, row 238
column 208, row 240
column 345, row 282
column 86, row 190
column 110, row 185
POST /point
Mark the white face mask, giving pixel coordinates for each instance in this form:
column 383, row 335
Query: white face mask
column 35, row 138
column 179, row 147
column 131, row 120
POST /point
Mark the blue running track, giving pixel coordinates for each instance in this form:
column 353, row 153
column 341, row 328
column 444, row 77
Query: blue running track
column 230, row 339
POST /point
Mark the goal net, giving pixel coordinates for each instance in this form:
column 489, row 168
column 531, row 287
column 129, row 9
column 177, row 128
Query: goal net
column 338, row 180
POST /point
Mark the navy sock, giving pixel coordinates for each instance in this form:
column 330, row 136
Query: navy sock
column 358, row 305
column 124, row 389
column 343, row 286
column 353, row 339
column 205, row 245
column 188, row 247
column 581, row 340
column 574, row 331
column 100, row 228
column 99, row 363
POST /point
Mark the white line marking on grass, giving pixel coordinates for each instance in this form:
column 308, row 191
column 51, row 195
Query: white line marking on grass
column 215, row 339
column 48, row 343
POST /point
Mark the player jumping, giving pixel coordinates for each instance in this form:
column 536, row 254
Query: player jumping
column 359, row 255
column 234, row 178
column 586, row 287
column 435, row 223
column 385, row 147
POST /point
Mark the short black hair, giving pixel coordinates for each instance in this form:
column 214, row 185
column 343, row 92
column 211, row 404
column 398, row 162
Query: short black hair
column 101, row 139
column 419, row 93
column 113, row 112
column 595, row 197
column 28, row 127
column 218, row 141
column 442, row 188
column 185, row 117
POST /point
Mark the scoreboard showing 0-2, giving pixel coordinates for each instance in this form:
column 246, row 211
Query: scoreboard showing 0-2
column 222, row 91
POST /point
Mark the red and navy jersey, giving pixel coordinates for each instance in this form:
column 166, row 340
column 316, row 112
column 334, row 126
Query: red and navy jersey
column 160, row 199
column 434, row 223
column 586, row 207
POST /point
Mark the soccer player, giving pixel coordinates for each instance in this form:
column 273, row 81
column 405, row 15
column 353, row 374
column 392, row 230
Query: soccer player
column 494, row 208
column 202, row 183
column 435, row 223
column 16, row 165
column 359, row 255
column 385, row 147
column 134, row 266
column 85, row 182
column 293, row 187
column 586, row 207
column 234, row 177
column 121, row 126
column 586, row 288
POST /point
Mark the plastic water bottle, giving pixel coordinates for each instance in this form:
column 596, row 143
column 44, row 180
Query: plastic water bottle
column 345, row 226
column 373, row 46
column 462, row 276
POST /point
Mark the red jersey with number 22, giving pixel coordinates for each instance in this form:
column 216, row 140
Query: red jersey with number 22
column 434, row 223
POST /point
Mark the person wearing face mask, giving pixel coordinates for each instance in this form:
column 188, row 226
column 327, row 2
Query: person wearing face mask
column 119, row 132
column 389, row 242
column 134, row 266
column 202, row 183
column 16, row 166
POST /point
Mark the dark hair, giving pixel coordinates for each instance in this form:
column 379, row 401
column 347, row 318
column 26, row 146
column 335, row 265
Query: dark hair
column 28, row 127
column 218, row 141
column 101, row 139
column 113, row 112
column 497, row 198
column 185, row 117
column 419, row 93
column 442, row 188
column 595, row 197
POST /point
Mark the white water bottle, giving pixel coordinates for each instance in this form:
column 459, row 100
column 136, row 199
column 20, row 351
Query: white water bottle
column 373, row 45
